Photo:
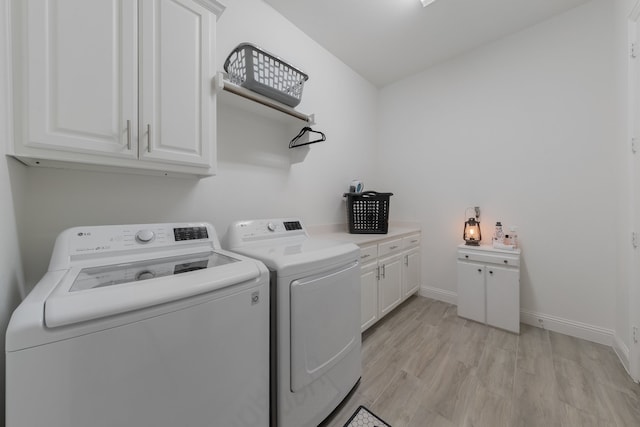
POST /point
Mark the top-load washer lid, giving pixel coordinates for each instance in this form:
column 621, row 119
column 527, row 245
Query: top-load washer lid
column 110, row 275
column 100, row 291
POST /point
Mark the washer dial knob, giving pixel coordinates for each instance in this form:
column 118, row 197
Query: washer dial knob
column 145, row 275
column 145, row 236
column 271, row 226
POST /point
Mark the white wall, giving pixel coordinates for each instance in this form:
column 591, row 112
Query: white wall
column 523, row 128
column 11, row 173
column 256, row 177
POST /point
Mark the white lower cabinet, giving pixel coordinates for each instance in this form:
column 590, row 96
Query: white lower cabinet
column 390, row 274
column 390, row 283
column 369, row 295
column 471, row 291
column 503, row 298
column 489, row 286
column 411, row 272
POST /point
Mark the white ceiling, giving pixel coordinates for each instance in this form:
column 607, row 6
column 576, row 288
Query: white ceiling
column 387, row 40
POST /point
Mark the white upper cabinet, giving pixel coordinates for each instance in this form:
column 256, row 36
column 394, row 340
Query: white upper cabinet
column 116, row 84
column 176, row 71
column 80, row 82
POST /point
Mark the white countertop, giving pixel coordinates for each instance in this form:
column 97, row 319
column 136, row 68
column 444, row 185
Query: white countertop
column 340, row 232
column 489, row 248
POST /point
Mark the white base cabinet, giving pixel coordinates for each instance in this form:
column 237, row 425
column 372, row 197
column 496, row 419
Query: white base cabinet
column 489, row 286
column 390, row 273
column 369, row 294
column 389, row 283
column 471, row 291
column 119, row 84
column 411, row 271
column 503, row 298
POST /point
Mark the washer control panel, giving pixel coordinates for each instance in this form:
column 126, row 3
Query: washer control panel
column 190, row 233
column 112, row 238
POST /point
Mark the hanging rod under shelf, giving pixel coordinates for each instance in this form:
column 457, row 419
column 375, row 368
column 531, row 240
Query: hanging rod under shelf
column 225, row 85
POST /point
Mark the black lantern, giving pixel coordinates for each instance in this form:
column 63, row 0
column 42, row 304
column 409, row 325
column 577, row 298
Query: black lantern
column 472, row 234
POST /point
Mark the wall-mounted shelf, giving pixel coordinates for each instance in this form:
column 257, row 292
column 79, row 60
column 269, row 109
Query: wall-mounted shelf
column 244, row 99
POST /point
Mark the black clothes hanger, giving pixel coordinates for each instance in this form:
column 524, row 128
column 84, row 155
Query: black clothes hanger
column 300, row 134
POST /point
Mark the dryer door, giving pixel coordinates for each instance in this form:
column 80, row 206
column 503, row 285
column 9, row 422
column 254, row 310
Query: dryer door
column 325, row 322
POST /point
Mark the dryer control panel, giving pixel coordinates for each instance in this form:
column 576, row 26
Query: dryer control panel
column 265, row 229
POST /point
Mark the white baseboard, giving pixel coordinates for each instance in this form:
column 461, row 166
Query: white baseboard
column 568, row 327
column 439, row 294
column 622, row 351
column 553, row 323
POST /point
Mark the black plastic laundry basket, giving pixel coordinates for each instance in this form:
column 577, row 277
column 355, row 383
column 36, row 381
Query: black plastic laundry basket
column 368, row 212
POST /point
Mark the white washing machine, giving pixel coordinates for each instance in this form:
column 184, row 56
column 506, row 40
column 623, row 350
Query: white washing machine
column 148, row 325
column 315, row 312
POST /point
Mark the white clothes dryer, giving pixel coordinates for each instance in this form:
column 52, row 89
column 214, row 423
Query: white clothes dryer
column 315, row 317
column 148, row 325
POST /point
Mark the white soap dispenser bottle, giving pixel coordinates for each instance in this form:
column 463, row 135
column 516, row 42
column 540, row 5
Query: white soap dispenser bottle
column 498, row 235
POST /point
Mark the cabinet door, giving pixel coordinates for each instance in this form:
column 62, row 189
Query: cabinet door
column 411, row 272
column 471, row 291
column 177, row 115
column 503, row 298
column 369, row 295
column 390, row 283
column 78, row 76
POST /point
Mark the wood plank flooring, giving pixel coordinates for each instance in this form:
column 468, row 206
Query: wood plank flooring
column 423, row 366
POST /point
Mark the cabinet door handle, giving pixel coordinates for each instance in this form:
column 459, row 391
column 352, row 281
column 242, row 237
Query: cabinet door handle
column 384, row 271
column 365, row 256
column 479, row 270
column 128, row 134
column 490, row 272
column 378, row 272
column 466, row 256
column 406, row 260
column 393, row 247
column 148, row 138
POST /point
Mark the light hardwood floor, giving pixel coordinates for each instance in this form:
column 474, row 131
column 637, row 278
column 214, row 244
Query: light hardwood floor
column 423, row 366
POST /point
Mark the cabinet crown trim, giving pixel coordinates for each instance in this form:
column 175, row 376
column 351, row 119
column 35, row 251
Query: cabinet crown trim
column 212, row 5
